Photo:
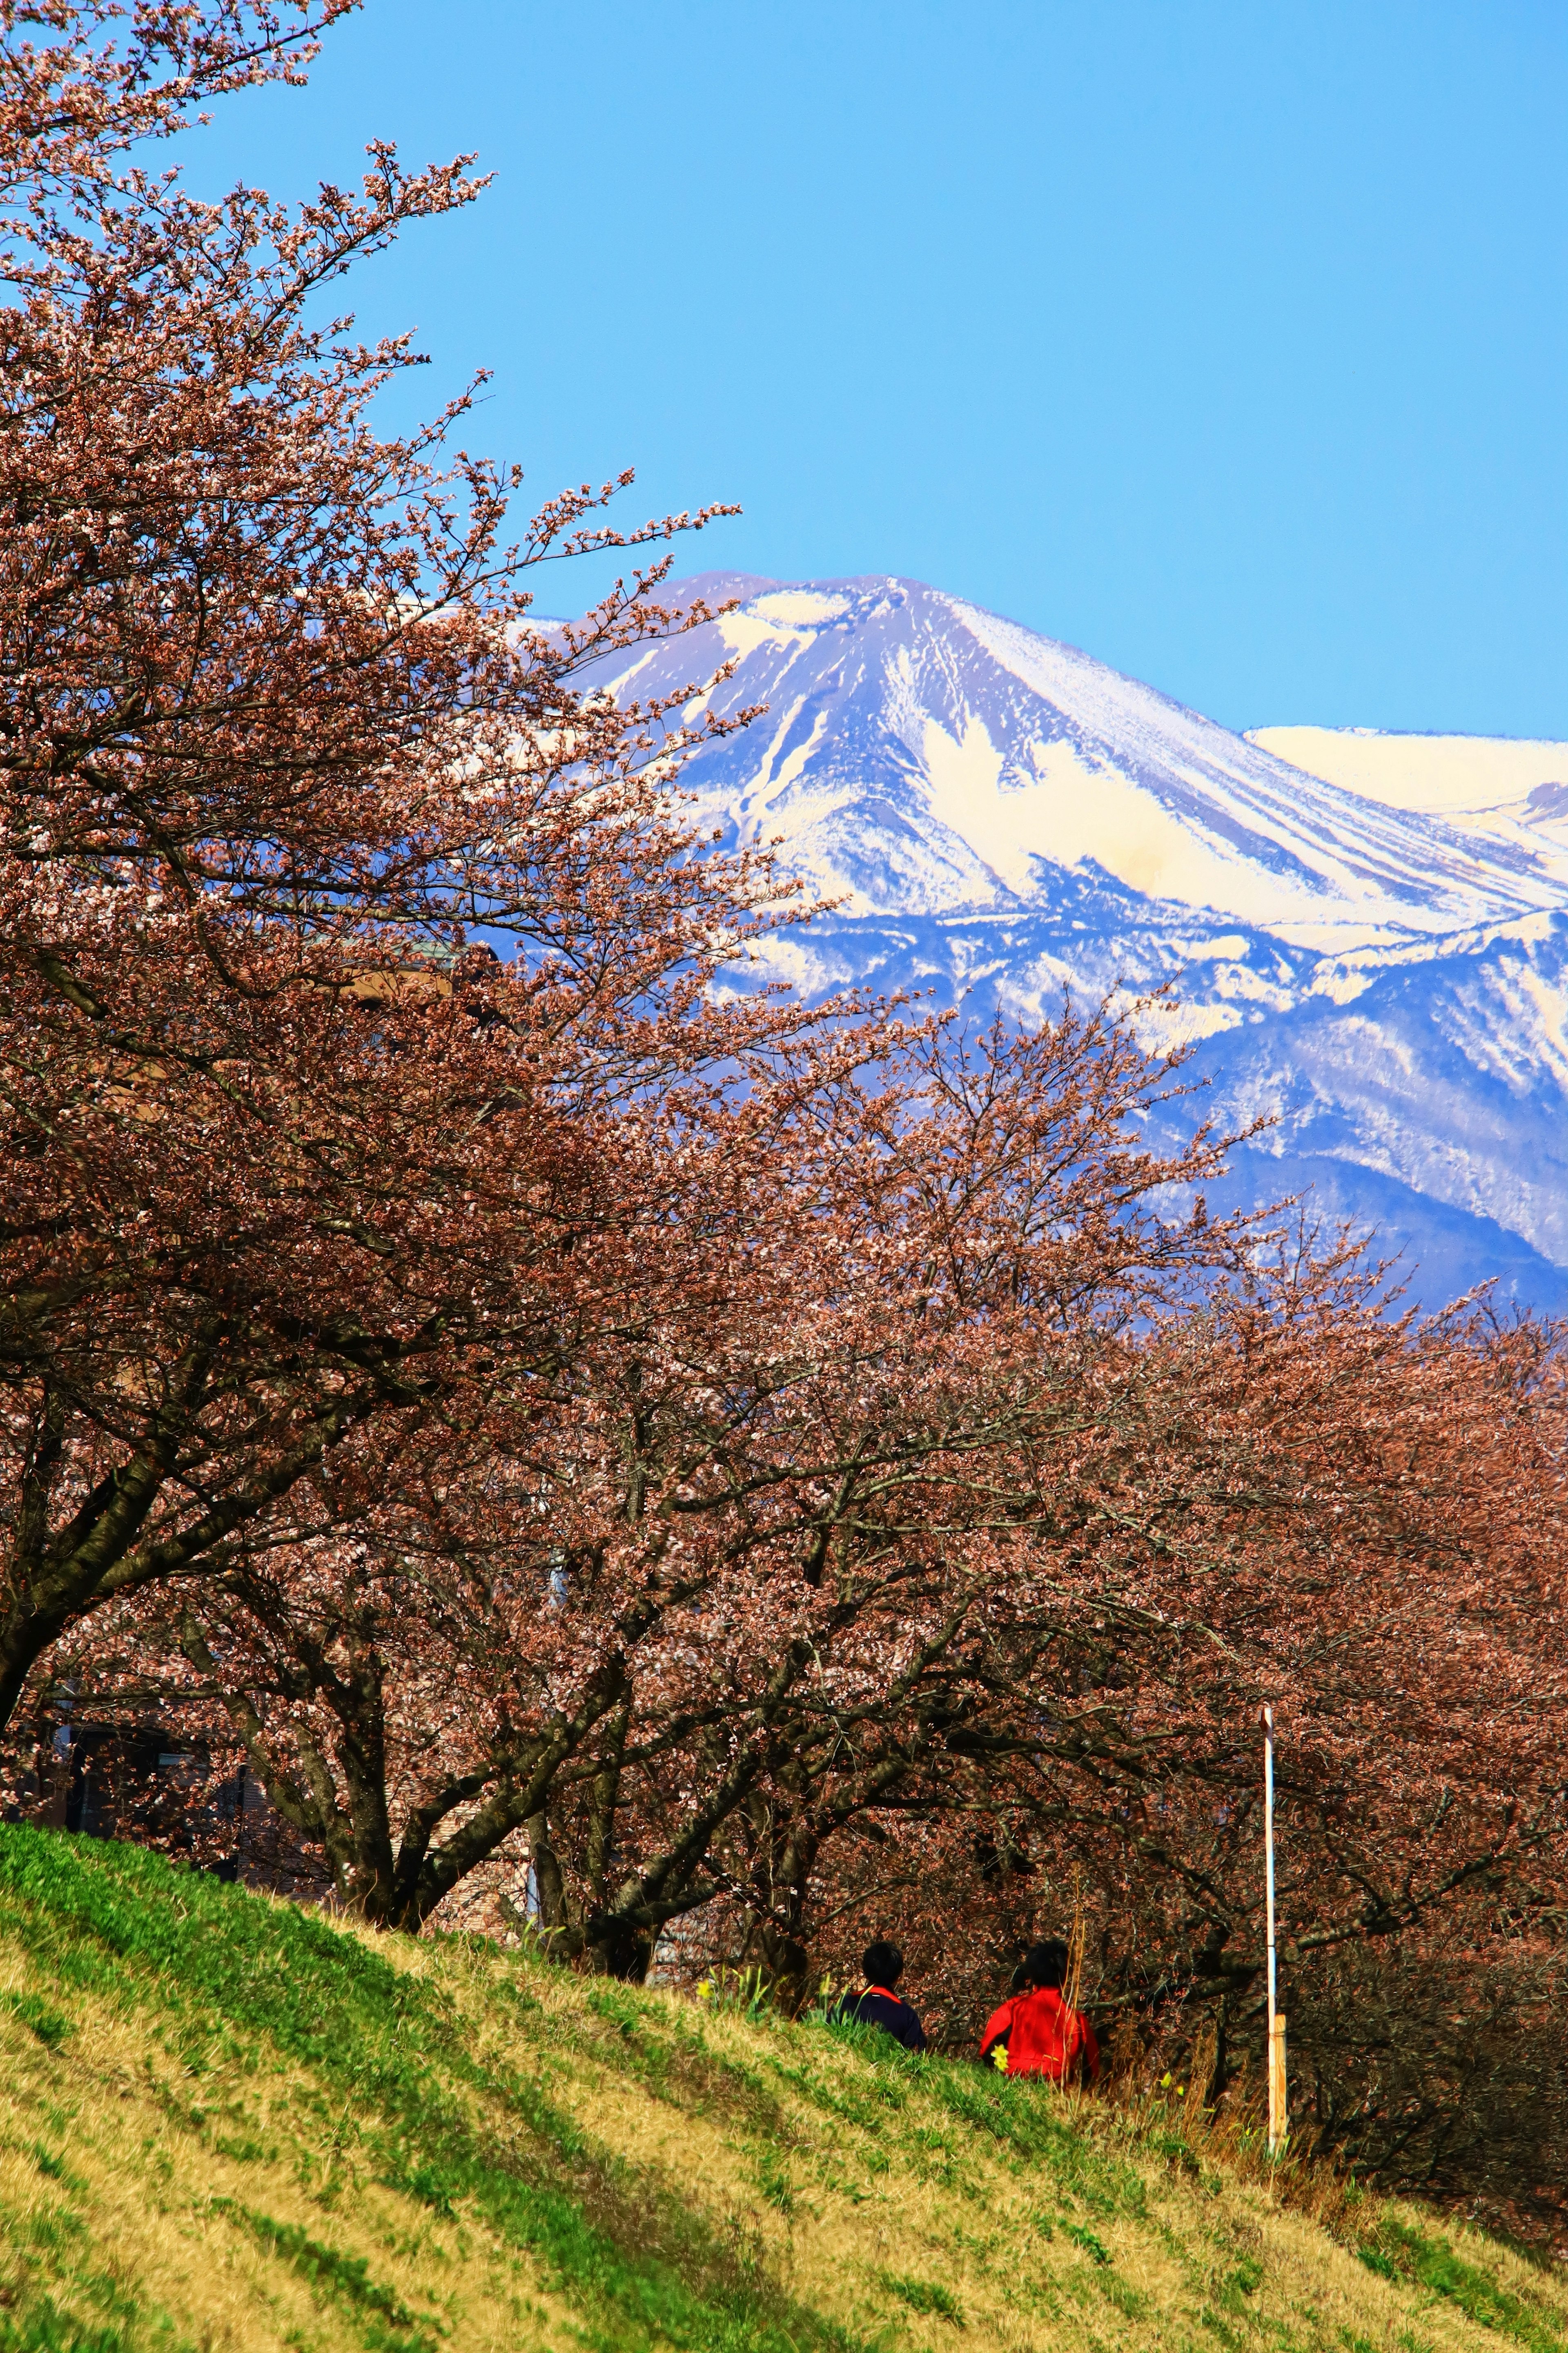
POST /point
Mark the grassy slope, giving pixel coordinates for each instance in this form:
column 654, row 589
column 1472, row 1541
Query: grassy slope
column 226, row 2123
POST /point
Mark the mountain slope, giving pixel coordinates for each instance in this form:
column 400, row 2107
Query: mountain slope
column 224, row 2124
column 1004, row 818
column 1492, row 788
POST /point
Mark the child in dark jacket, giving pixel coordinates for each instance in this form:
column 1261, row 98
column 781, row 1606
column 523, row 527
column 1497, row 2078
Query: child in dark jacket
column 879, row 2005
column 1037, row 2029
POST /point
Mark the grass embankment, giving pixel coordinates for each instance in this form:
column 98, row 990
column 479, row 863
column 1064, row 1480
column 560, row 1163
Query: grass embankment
column 226, row 2123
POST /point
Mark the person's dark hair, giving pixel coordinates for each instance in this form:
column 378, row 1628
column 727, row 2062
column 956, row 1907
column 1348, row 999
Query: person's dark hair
column 1045, row 1964
column 883, row 1964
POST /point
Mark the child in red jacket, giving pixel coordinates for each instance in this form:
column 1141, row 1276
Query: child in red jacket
column 1041, row 2033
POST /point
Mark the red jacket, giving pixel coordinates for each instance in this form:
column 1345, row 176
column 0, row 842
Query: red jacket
column 1044, row 2036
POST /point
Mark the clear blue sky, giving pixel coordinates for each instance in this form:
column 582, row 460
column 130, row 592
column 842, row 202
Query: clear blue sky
column 1224, row 338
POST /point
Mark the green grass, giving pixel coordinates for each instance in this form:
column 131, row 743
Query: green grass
column 924, row 2296
column 1402, row 2250
column 225, row 2122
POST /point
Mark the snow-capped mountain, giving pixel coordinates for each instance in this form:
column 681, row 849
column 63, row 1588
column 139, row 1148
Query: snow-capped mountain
column 1002, row 817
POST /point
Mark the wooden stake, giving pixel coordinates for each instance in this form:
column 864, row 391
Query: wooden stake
column 1278, row 2112
column 1279, row 2109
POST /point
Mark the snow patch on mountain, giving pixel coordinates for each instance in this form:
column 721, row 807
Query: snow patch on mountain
column 1458, row 775
column 1497, row 792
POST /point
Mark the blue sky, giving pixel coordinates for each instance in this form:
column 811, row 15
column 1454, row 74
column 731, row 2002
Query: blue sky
column 1224, row 338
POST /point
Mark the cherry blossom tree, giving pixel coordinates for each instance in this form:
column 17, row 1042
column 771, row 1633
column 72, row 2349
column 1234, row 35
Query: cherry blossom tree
column 338, row 929
column 781, row 1491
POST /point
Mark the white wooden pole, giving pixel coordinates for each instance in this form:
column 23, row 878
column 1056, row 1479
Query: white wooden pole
column 1277, row 2111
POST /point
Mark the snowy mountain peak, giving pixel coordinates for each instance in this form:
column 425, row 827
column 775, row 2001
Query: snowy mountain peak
column 1377, row 965
column 920, row 754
